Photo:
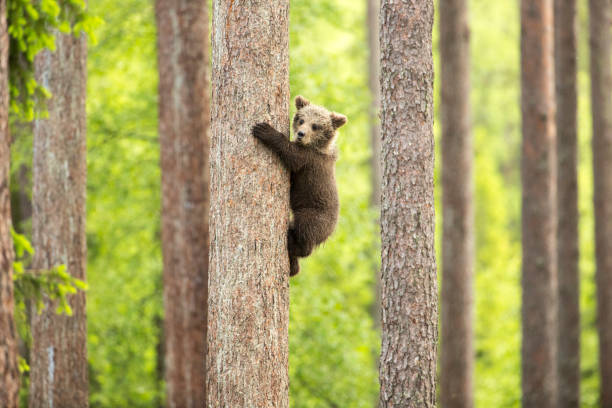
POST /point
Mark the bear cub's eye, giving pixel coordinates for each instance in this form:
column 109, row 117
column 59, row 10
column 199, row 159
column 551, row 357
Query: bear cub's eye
column 301, row 121
column 315, row 127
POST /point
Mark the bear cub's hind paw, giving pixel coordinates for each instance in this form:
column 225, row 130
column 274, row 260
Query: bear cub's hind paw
column 294, row 266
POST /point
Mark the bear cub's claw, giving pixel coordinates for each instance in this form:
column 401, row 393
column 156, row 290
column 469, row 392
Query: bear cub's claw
column 261, row 130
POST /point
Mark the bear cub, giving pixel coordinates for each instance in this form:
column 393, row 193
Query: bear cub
column 311, row 159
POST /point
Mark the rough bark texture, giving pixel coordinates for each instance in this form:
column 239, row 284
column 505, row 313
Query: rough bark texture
column 9, row 375
column 409, row 286
column 184, row 119
column 59, row 350
column 601, row 101
column 568, row 333
column 456, row 357
column 374, row 84
column 539, row 280
column 249, row 265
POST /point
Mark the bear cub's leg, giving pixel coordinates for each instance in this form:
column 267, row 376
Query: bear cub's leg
column 296, row 248
column 300, row 240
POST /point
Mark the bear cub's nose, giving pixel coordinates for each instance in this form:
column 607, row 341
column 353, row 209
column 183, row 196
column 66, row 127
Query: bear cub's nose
column 300, row 134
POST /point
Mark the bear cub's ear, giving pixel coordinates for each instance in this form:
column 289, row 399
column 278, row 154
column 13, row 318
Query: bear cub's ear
column 300, row 102
column 338, row 120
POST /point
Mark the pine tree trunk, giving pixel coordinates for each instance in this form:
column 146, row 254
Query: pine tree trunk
column 184, row 119
column 58, row 373
column 568, row 334
column 539, row 278
column 601, row 101
column 409, row 287
column 457, row 355
column 9, row 375
column 249, row 265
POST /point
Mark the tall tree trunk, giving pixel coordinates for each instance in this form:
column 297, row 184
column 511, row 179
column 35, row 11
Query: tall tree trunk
column 375, row 165
column 374, row 84
column 24, row 212
column 409, row 286
column 457, row 355
column 9, row 375
column 58, row 376
column 601, row 101
column 568, row 333
column 249, row 265
column 184, row 119
column 539, row 278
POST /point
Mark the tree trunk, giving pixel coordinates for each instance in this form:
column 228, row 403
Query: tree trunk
column 568, row 334
column 58, row 376
column 375, row 165
column 184, row 119
column 9, row 375
column 601, row 101
column 457, row 355
column 24, row 212
column 409, row 287
column 249, row 265
column 374, row 84
column 539, row 278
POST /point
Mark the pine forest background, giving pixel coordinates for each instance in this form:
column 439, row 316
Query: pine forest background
column 334, row 343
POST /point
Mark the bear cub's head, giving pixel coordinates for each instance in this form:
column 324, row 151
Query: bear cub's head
column 315, row 126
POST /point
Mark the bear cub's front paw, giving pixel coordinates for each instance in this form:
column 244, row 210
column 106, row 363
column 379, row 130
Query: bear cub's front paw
column 262, row 131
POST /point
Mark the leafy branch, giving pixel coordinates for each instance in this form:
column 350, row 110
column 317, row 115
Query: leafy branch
column 32, row 27
column 35, row 285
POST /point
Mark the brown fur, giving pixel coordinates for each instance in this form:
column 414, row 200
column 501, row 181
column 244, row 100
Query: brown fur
column 311, row 160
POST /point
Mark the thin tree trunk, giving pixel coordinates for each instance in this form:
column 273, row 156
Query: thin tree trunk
column 375, row 165
column 58, row 376
column 249, row 265
column 160, row 368
column 601, row 101
column 24, row 212
column 374, row 84
column 568, row 334
column 184, row 119
column 457, row 355
column 539, row 278
column 409, row 287
column 9, row 375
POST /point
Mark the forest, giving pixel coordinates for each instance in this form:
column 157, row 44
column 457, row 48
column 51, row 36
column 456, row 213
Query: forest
column 143, row 229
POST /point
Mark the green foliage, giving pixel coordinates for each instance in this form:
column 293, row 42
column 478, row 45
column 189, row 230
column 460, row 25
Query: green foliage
column 37, row 285
column 124, row 306
column 34, row 287
column 333, row 346
column 32, row 27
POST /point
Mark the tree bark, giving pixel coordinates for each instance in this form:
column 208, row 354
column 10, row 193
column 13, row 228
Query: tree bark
column 568, row 334
column 184, row 118
column 539, row 278
column 9, row 374
column 58, row 376
column 456, row 358
column 249, row 265
column 601, row 102
column 409, row 287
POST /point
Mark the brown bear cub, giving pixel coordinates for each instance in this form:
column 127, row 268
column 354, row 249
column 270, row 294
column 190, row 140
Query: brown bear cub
column 311, row 159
